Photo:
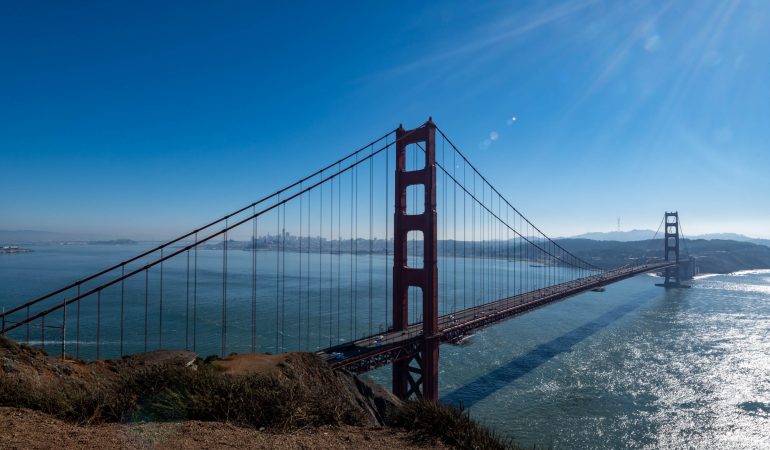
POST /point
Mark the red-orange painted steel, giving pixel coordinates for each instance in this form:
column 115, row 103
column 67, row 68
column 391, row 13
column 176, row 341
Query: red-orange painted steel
column 425, row 278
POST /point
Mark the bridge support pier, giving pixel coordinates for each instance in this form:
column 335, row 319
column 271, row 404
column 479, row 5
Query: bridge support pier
column 417, row 376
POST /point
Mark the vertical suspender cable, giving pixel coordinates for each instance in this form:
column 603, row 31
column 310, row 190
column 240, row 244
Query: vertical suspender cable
column 195, row 294
column 355, row 270
column 279, row 233
column 160, row 305
column 371, row 240
column 473, row 242
column 77, row 327
column 352, row 253
column 254, row 282
column 331, row 259
column 224, row 292
column 507, row 256
column 98, row 322
column 186, row 306
column 443, row 232
column 63, row 331
column 307, row 291
column 454, row 227
column 339, row 253
column 483, row 245
column 146, row 303
column 465, row 261
column 320, row 264
column 387, row 218
column 122, row 305
column 283, row 280
column 299, row 278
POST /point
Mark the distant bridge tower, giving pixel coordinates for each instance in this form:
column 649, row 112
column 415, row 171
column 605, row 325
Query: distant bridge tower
column 420, row 379
column 672, row 245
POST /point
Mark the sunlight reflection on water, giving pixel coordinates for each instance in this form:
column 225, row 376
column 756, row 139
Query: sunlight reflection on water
column 634, row 367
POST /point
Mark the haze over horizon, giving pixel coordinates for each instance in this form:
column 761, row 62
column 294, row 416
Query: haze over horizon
column 41, row 236
column 146, row 121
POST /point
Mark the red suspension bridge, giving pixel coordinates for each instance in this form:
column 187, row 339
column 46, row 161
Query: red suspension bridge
column 375, row 259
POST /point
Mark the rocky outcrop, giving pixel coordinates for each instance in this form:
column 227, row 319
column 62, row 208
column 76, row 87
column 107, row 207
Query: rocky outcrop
column 379, row 404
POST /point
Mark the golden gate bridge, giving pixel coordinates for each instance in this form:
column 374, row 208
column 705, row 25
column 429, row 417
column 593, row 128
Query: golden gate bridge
column 377, row 258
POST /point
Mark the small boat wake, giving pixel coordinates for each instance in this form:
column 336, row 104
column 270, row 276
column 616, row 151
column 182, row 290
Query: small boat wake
column 462, row 341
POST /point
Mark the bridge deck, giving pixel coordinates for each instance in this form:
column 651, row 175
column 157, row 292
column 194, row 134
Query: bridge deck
column 372, row 352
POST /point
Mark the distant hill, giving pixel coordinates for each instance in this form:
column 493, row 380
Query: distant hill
column 620, row 236
column 734, row 237
column 17, row 236
column 114, row 242
column 35, row 236
column 713, row 256
column 27, row 236
column 643, row 235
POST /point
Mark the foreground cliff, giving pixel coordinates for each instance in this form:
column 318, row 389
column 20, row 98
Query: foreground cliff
column 171, row 399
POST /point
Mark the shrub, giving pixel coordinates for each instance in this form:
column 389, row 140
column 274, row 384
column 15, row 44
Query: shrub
column 427, row 421
column 167, row 393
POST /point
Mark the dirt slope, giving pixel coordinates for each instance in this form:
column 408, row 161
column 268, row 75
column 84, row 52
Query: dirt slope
column 171, row 399
column 25, row 429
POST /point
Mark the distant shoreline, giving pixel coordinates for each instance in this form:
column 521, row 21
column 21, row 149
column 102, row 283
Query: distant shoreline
column 112, row 242
column 12, row 249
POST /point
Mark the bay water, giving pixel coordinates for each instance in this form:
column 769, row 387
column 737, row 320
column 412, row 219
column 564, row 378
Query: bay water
column 636, row 366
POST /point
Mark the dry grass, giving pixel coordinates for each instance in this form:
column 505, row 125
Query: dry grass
column 32, row 430
column 427, row 422
column 299, row 392
column 208, row 394
column 163, row 393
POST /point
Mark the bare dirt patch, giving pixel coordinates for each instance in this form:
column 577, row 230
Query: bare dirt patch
column 26, row 429
column 251, row 363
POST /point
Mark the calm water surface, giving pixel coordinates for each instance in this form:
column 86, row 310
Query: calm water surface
column 636, row 366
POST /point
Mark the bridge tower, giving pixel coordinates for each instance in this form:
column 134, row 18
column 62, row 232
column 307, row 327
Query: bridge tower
column 672, row 245
column 417, row 375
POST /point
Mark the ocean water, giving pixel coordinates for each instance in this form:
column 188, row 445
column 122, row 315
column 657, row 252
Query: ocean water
column 297, row 301
column 636, row 366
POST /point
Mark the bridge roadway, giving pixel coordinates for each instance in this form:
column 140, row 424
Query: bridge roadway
column 372, row 352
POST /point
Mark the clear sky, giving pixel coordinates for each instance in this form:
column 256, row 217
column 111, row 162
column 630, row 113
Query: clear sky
column 145, row 119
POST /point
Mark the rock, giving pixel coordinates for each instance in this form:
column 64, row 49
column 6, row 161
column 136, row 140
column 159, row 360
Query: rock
column 379, row 403
column 61, row 369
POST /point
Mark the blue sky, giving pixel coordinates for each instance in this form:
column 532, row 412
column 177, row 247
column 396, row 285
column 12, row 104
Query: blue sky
column 145, row 119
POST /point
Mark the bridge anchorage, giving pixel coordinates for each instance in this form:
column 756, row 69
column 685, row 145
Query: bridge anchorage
column 342, row 263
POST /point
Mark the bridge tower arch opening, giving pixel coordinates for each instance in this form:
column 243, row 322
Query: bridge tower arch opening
column 416, row 374
column 671, row 248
